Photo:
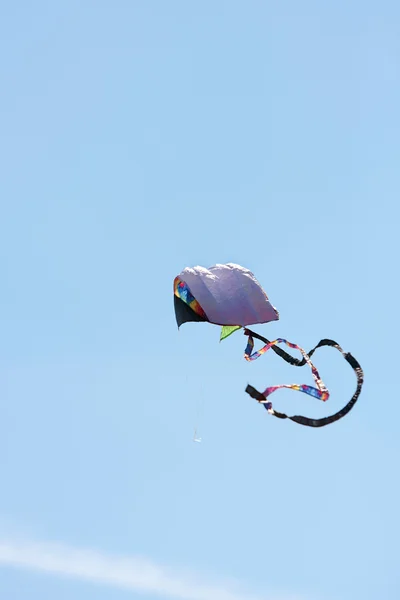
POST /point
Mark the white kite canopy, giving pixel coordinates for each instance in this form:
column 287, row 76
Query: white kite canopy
column 229, row 295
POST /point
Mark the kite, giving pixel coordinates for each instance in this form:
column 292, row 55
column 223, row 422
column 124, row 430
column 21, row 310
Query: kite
column 231, row 297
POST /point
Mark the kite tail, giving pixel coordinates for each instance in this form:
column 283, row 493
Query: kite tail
column 320, row 392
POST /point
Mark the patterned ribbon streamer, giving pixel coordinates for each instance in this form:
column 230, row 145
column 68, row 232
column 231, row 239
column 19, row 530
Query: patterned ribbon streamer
column 321, row 393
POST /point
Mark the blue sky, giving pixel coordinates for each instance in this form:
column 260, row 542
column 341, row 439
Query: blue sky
column 141, row 137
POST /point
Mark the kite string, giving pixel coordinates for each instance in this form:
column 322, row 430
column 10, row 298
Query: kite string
column 321, row 392
column 199, row 411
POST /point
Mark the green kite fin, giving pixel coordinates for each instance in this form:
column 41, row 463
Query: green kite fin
column 227, row 330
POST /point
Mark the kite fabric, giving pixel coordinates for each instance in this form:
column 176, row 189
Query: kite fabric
column 223, row 295
column 230, row 296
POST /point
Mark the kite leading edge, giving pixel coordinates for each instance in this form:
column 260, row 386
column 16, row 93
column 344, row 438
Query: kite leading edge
column 230, row 296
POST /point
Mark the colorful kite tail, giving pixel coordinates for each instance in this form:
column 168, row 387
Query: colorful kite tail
column 320, row 392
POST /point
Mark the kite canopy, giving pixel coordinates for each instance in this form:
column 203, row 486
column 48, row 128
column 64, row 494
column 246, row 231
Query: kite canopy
column 227, row 295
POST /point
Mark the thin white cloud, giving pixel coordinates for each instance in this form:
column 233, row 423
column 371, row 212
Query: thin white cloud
column 130, row 573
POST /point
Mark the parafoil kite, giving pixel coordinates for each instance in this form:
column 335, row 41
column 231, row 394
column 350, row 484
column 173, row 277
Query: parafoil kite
column 230, row 296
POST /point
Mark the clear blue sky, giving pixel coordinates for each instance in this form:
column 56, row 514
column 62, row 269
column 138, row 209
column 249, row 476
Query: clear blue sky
column 141, row 137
